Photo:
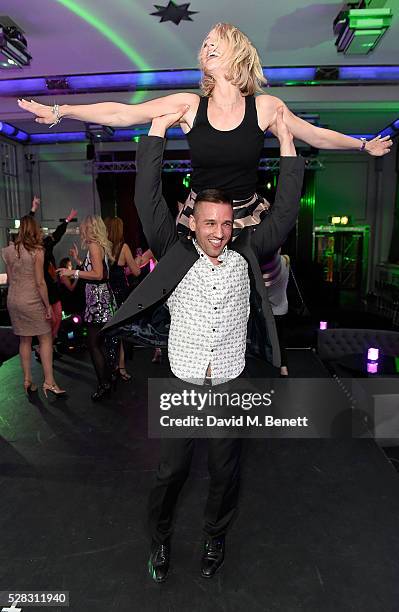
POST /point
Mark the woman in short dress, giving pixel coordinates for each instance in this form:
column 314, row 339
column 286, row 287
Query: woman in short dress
column 28, row 302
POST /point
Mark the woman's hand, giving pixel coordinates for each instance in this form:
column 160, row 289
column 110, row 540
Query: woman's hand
column 49, row 313
column 35, row 203
column 44, row 113
column 74, row 253
column 379, row 146
column 71, row 215
column 65, row 272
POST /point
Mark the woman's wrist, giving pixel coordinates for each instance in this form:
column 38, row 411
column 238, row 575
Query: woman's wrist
column 63, row 110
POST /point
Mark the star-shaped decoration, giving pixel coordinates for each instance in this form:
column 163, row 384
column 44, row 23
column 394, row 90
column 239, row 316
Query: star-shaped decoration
column 174, row 12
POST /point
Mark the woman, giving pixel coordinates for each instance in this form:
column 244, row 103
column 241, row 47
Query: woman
column 231, row 72
column 123, row 258
column 100, row 302
column 28, row 302
column 70, row 291
column 50, row 276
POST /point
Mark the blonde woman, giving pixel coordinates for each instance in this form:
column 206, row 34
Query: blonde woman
column 28, row 302
column 100, row 303
column 232, row 73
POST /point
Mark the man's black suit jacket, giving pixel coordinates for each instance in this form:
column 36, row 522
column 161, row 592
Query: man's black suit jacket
column 176, row 255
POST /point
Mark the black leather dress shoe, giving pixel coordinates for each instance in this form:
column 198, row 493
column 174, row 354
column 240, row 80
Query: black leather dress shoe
column 158, row 563
column 213, row 556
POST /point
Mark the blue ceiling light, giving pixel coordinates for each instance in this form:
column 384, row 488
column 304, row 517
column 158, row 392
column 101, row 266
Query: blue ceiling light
column 54, row 137
column 6, row 129
column 391, row 130
column 189, row 79
column 369, row 73
column 281, row 75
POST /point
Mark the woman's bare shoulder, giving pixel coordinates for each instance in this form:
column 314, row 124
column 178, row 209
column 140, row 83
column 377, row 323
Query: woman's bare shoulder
column 266, row 107
column 268, row 102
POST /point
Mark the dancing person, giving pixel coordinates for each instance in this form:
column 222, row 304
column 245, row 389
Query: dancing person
column 99, row 300
column 215, row 282
column 232, row 72
column 123, row 258
column 28, row 302
column 70, row 290
column 224, row 127
column 50, row 267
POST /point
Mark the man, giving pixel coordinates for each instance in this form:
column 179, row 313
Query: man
column 211, row 287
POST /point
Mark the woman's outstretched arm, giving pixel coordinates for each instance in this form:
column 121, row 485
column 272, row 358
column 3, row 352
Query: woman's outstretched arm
column 320, row 138
column 113, row 114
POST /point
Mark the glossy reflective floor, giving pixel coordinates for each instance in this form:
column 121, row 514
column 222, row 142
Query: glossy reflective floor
column 317, row 529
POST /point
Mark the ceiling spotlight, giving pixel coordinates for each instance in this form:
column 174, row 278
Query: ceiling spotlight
column 96, row 132
column 13, row 45
column 359, row 30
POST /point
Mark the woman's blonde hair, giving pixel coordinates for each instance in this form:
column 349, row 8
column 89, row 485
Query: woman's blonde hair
column 92, row 229
column 114, row 227
column 244, row 67
column 29, row 235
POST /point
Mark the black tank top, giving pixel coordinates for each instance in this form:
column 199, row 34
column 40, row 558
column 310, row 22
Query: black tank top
column 226, row 160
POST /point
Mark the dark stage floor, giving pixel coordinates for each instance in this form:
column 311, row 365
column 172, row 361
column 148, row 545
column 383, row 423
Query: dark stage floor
column 317, row 529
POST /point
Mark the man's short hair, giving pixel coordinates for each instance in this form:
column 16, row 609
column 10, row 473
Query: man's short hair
column 216, row 196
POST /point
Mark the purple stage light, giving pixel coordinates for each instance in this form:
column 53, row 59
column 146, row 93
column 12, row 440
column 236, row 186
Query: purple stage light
column 372, row 354
column 372, row 367
column 323, row 325
column 76, row 319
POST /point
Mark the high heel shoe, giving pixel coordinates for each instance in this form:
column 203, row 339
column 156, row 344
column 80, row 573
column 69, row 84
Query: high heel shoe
column 54, row 388
column 123, row 374
column 29, row 387
column 101, row 392
column 157, row 357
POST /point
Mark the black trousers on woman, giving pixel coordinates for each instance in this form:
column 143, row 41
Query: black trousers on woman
column 172, row 472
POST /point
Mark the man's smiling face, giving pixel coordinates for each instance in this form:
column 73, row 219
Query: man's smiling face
column 213, row 225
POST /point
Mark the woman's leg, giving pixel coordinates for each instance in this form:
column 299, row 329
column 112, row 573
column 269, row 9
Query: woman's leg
column 25, row 354
column 56, row 318
column 96, row 350
column 46, row 356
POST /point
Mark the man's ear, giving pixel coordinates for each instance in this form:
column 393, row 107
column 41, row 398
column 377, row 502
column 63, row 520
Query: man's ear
column 191, row 223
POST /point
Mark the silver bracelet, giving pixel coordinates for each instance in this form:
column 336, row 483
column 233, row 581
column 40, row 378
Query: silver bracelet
column 76, row 274
column 56, row 112
column 363, row 146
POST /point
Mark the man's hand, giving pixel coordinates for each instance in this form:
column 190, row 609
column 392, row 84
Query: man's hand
column 71, row 215
column 159, row 125
column 287, row 147
column 35, row 203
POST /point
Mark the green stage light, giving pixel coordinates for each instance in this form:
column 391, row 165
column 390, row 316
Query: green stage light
column 369, row 19
column 360, row 30
column 364, row 41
